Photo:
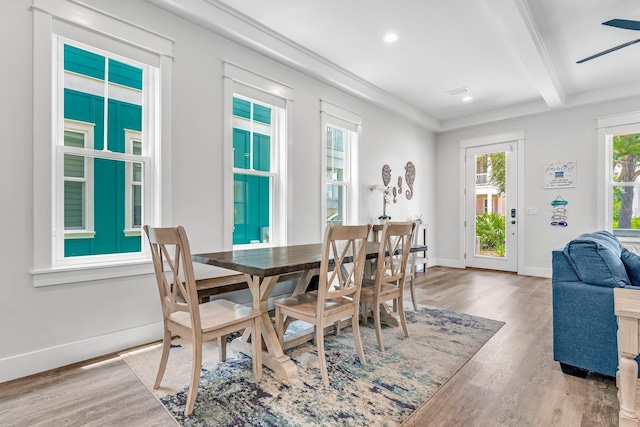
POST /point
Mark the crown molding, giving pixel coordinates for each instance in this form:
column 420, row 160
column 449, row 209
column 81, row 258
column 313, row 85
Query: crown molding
column 235, row 26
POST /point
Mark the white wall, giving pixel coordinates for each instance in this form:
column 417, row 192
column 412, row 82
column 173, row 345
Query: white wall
column 47, row 327
column 563, row 135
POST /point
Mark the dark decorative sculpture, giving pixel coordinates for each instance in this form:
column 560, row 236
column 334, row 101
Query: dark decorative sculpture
column 387, row 191
column 386, row 175
column 410, row 177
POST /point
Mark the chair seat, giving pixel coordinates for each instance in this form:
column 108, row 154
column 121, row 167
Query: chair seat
column 216, row 314
column 306, row 304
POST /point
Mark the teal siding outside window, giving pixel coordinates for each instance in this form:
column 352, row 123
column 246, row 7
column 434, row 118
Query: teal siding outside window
column 108, row 175
column 125, row 75
column 82, row 62
column 261, row 114
column 241, row 144
column 241, row 108
column 261, row 152
column 251, row 208
column 252, row 194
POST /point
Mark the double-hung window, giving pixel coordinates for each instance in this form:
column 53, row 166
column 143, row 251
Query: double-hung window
column 100, row 207
column 341, row 129
column 255, row 172
column 256, row 148
column 619, row 138
column 97, row 133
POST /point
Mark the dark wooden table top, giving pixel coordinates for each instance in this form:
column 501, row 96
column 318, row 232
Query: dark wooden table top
column 274, row 261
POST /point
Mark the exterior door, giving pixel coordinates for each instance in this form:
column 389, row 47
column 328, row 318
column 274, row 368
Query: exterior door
column 491, row 216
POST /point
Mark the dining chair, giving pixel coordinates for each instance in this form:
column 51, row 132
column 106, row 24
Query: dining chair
column 338, row 294
column 391, row 269
column 416, row 259
column 183, row 316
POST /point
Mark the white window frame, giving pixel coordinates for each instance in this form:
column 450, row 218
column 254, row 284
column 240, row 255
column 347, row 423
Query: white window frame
column 86, row 129
column 607, row 128
column 332, row 115
column 241, row 83
column 54, row 19
column 131, row 136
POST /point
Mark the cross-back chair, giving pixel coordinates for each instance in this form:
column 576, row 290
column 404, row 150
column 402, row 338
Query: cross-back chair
column 416, row 259
column 183, row 316
column 391, row 269
column 340, row 279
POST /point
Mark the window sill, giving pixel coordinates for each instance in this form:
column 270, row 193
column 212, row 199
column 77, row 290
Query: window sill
column 90, row 272
column 79, row 234
column 132, row 232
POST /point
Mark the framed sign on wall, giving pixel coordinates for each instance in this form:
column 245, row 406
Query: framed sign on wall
column 559, row 175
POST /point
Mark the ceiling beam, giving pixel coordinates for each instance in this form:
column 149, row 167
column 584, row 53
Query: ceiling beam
column 521, row 31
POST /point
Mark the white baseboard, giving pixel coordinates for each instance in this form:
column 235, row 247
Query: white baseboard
column 25, row 364
column 453, row 263
column 538, row 272
column 41, row 360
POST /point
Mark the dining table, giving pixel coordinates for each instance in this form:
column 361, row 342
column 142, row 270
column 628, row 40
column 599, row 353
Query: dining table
column 263, row 267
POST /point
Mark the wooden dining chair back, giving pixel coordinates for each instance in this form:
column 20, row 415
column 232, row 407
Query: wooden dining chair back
column 391, row 269
column 337, row 298
column 184, row 316
column 416, row 259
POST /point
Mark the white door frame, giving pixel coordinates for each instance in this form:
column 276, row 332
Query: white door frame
column 517, row 138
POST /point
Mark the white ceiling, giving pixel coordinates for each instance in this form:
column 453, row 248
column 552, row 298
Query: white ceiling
column 516, row 57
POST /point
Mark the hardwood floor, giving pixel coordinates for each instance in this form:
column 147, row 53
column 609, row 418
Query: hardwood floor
column 511, row 381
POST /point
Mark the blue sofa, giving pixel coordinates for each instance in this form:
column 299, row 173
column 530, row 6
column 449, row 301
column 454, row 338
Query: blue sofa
column 585, row 272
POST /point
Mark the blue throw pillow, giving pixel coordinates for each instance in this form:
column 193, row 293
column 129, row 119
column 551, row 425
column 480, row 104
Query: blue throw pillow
column 631, row 263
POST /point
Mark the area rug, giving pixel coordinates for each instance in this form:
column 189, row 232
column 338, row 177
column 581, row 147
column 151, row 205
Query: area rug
column 384, row 392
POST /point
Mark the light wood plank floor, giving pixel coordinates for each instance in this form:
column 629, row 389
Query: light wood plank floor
column 511, row 381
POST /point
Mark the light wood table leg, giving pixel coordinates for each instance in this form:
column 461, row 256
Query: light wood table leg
column 274, row 358
column 627, row 370
column 627, row 310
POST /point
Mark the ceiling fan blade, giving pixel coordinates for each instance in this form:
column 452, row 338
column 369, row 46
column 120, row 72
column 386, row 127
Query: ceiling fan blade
column 604, row 52
column 626, row 24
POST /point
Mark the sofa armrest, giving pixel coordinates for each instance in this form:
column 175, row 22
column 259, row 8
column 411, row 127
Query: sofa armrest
column 584, row 326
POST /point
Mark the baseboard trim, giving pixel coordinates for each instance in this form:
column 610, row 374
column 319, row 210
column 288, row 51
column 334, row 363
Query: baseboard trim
column 26, row 364
column 538, row 272
column 453, row 263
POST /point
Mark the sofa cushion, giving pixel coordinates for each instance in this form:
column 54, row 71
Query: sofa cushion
column 631, row 263
column 596, row 259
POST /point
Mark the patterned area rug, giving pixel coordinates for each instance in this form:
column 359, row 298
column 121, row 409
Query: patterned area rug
column 384, row 392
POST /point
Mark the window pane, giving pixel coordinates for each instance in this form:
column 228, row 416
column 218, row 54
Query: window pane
column 241, row 108
column 73, row 205
column 241, row 154
column 137, row 172
column 335, row 204
column 252, row 209
column 626, row 169
column 137, row 206
column 103, row 196
column 73, row 139
column 335, row 154
column 261, row 152
column 490, row 205
column 73, row 166
column 261, row 114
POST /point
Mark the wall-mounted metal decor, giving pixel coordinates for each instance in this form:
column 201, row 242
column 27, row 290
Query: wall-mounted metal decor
column 395, row 191
column 410, row 177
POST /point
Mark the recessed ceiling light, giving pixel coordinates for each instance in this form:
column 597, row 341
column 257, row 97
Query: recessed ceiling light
column 467, row 98
column 390, row 37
